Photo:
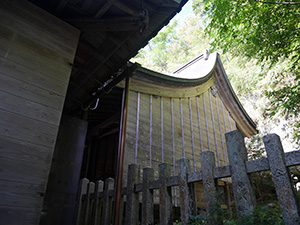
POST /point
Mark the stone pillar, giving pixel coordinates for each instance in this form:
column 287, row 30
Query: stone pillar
column 210, row 187
column 165, row 195
column 185, row 195
column 286, row 195
column 132, row 198
column 107, row 202
column 147, row 204
column 244, row 195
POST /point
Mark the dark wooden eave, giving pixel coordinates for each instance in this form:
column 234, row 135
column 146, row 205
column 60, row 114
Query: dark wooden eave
column 109, row 38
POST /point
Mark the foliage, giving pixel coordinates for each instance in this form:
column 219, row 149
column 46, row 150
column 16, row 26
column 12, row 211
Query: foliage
column 197, row 220
column 255, row 148
column 268, row 33
column 174, row 45
column 244, row 27
column 262, row 215
column 259, row 80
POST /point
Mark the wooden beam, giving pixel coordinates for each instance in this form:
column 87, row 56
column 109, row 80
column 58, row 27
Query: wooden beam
column 92, row 50
column 59, row 8
column 129, row 71
column 95, row 131
column 108, row 26
column 103, row 9
column 95, row 69
column 115, row 130
column 126, row 8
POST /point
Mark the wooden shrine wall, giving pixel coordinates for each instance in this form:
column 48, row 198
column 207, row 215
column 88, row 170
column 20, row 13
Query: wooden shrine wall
column 36, row 56
column 162, row 129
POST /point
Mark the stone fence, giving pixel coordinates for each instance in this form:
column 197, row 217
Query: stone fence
column 95, row 200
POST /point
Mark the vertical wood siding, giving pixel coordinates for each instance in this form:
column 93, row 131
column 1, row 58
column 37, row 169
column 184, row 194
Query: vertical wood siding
column 179, row 126
column 36, row 53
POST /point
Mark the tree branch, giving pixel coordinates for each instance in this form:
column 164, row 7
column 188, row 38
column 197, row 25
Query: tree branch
column 279, row 3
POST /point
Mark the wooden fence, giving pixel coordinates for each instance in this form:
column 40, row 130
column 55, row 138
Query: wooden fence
column 95, row 200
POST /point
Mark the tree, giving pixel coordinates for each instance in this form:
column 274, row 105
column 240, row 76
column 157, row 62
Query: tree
column 266, row 31
column 174, row 45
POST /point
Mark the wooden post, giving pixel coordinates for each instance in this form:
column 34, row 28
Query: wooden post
column 241, row 184
column 282, row 179
column 147, row 204
column 121, row 150
column 97, row 203
column 210, row 187
column 87, row 213
column 165, row 195
column 107, row 202
column 82, row 190
column 185, row 194
column 132, row 198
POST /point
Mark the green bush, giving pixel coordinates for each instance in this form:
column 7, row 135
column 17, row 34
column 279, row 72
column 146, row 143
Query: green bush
column 262, row 215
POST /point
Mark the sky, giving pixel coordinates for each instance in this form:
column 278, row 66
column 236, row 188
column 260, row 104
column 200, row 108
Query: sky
column 186, row 9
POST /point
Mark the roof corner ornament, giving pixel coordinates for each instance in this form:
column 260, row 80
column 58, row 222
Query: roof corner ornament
column 206, row 54
column 144, row 20
column 214, row 90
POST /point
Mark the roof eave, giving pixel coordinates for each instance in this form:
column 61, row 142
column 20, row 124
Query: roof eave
column 244, row 123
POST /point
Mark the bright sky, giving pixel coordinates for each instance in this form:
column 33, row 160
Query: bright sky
column 186, row 9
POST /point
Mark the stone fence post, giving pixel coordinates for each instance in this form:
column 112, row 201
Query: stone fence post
column 244, row 195
column 282, row 180
column 210, row 184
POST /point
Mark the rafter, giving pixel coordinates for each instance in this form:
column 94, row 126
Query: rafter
column 95, row 69
column 103, row 9
column 95, row 130
column 109, row 26
column 59, row 8
column 130, row 10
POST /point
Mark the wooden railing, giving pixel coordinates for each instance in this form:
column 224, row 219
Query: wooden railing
column 95, row 200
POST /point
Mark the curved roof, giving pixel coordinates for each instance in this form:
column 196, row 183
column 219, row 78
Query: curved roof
column 193, row 79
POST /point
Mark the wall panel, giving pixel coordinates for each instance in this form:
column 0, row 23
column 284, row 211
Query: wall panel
column 36, row 54
column 185, row 125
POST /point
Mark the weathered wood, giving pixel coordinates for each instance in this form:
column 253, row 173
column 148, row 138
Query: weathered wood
column 241, row 184
column 206, row 124
column 181, row 125
column 210, row 187
column 132, row 197
column 221, row 133
column 213, row 126
column 286, row 195
column 150, row 131
column 82, row 190
column 165, row 195
column 97, row 203
column 137, row 127
column 147, row 202
column 88, row 203
column 28, row 108
column 199, row 124
column 103, row 9
column 65, row 170
column 35, row 65
column 184, row 190
column 162, row 128
column 107, row 202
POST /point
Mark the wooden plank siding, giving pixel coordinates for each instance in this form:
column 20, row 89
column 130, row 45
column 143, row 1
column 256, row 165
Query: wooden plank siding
column 36, row 56
column 217, row 124
column 211, row 119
